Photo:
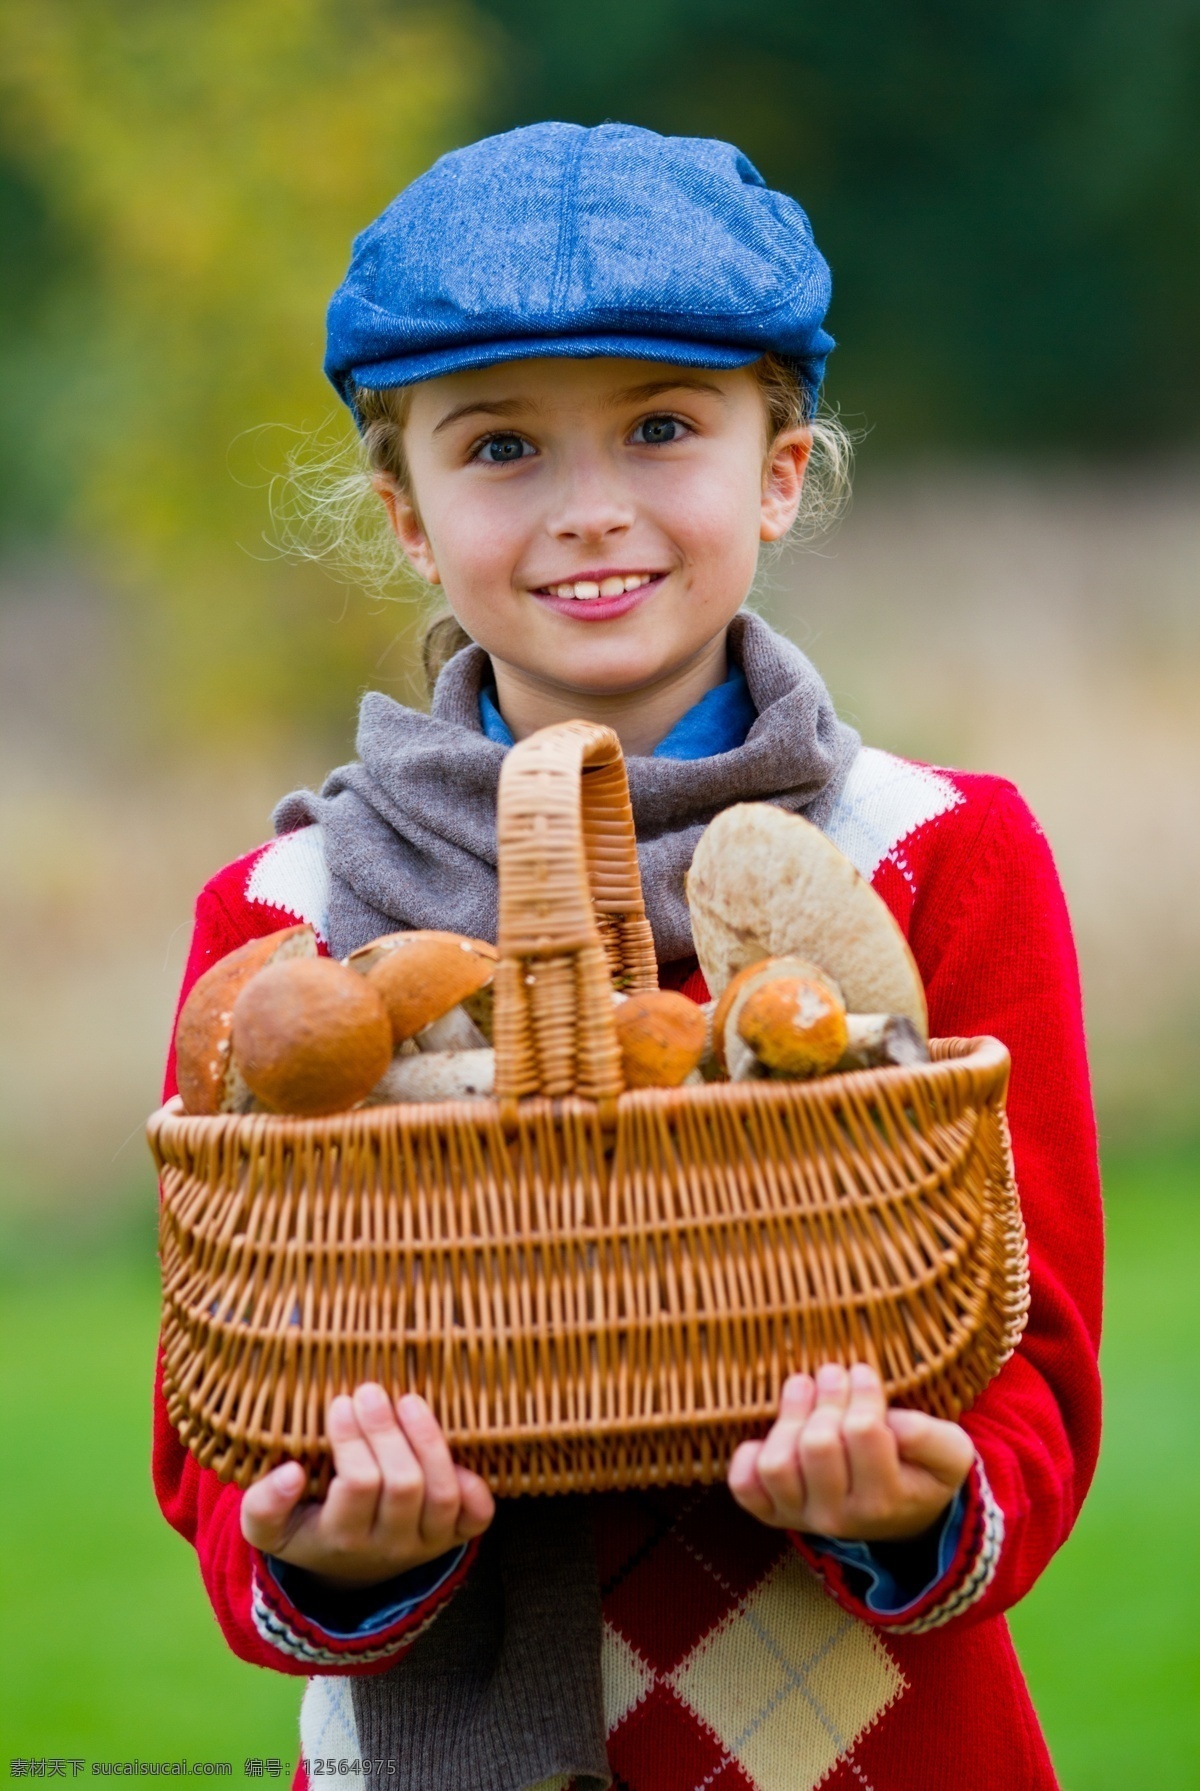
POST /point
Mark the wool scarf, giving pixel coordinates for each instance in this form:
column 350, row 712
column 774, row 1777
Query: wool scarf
column 503, row 1691
column 409, row 829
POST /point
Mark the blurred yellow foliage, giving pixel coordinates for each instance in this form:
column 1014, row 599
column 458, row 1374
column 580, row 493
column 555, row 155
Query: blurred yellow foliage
column 214, row 159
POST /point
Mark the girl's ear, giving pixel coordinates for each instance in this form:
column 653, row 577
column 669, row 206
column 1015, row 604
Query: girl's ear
column 407, row 527
column 783, row 481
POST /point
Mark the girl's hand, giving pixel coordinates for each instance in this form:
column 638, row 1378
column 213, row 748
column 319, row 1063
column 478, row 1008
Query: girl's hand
column 396, row 1499
column 837, row 1462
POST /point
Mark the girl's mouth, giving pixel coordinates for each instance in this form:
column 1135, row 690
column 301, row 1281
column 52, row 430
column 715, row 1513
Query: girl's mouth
column 599, row 596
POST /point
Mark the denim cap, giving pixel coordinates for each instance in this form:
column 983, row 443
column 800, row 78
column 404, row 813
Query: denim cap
column 560, row 240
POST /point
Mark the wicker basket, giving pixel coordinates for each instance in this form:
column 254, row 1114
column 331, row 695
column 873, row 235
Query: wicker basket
column 593, row 1289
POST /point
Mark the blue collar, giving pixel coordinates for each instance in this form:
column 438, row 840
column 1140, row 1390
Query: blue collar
column 718, row 723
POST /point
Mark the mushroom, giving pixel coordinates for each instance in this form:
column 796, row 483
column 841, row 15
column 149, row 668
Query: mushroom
column 209, row 1079
column 662, row 1036
column 310, row 1037
column 734, row 1054
column 795, row 1026
column 436, row 987
column 436, row 1076
column 455, row 1031
column 873, row 1040
column 766, row 884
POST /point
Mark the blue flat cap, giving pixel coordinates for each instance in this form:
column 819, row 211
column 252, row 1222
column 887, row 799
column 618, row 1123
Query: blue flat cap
column 559, row 240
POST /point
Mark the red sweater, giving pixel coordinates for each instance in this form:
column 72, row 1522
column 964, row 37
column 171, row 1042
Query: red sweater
column 735, row 1656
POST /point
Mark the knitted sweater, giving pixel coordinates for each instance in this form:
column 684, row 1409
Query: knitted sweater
column 737, row 1657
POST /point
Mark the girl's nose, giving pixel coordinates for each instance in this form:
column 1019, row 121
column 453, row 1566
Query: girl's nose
column 590, row 508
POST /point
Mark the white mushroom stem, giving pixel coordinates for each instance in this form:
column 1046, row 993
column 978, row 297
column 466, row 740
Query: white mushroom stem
column 436, row 1076
column 878, row 1039
column 742, row 1064
column 709, row 1069
column 455, row 1031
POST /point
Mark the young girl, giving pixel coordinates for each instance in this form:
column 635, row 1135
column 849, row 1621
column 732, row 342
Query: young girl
column 585, row 366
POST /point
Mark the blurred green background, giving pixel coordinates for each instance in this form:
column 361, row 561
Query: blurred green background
column 1008, row 197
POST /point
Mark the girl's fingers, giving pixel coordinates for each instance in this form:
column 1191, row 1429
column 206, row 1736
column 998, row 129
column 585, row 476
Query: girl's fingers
column 745, row 1485
column 349, row 1510
column 822, row 1451
column 864, row 1394
column 777, row 1468
column 798, row 1397
column 871, row 1451
column 939, row 1447
column 440, row 1506
column 833, row 1389
column 476, row 1506
column 402, row 1483
column 269, row 1507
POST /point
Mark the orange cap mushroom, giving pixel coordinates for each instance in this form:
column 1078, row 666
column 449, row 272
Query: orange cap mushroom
column 728, row 1009
column 206, row 1073
column 662, row 1037
column 794, row 1025
column 422, row 975
column 310, row 1037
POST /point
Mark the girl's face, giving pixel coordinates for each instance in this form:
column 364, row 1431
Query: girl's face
column 594, row 523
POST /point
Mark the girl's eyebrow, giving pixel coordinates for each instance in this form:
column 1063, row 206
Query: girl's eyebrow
column 509, row 407
column 497, row 407
column 654, row 388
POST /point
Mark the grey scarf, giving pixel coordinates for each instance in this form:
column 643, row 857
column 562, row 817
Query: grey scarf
column 410, row 828
column 503, row 1692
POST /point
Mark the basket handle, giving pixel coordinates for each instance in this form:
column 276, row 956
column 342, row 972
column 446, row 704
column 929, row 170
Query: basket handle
column 572, row 918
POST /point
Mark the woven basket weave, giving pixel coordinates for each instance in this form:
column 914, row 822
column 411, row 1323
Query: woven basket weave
column 592, row 1288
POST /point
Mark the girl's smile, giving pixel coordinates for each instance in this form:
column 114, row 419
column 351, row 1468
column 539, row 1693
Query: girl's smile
column 629, row 495
column 600, row 595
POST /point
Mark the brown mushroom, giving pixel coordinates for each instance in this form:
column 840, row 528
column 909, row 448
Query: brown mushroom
column 310, row 1037
column 662, row 1037
column 422, row 976
column 794, row 1025
column 764, row 883
column 209, row 1081
column 733, row 1055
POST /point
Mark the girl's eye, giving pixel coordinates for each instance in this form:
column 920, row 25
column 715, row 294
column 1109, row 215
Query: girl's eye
column 499, row 450
column 655, row 431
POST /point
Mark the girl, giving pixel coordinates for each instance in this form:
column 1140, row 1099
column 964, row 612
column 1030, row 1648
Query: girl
column 585, row 367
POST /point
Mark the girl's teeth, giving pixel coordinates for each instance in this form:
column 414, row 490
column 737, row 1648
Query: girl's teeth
column 588, row 588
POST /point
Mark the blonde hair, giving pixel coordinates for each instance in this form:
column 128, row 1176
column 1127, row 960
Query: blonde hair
column 326, row 511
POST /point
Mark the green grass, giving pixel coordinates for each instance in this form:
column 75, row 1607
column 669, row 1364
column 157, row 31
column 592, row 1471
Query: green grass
column 108, row 1648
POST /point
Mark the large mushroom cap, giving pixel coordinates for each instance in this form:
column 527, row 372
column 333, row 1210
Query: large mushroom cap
column 311, row 1037
column 767, row 884
column 422, row 975
column 204, row 1068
